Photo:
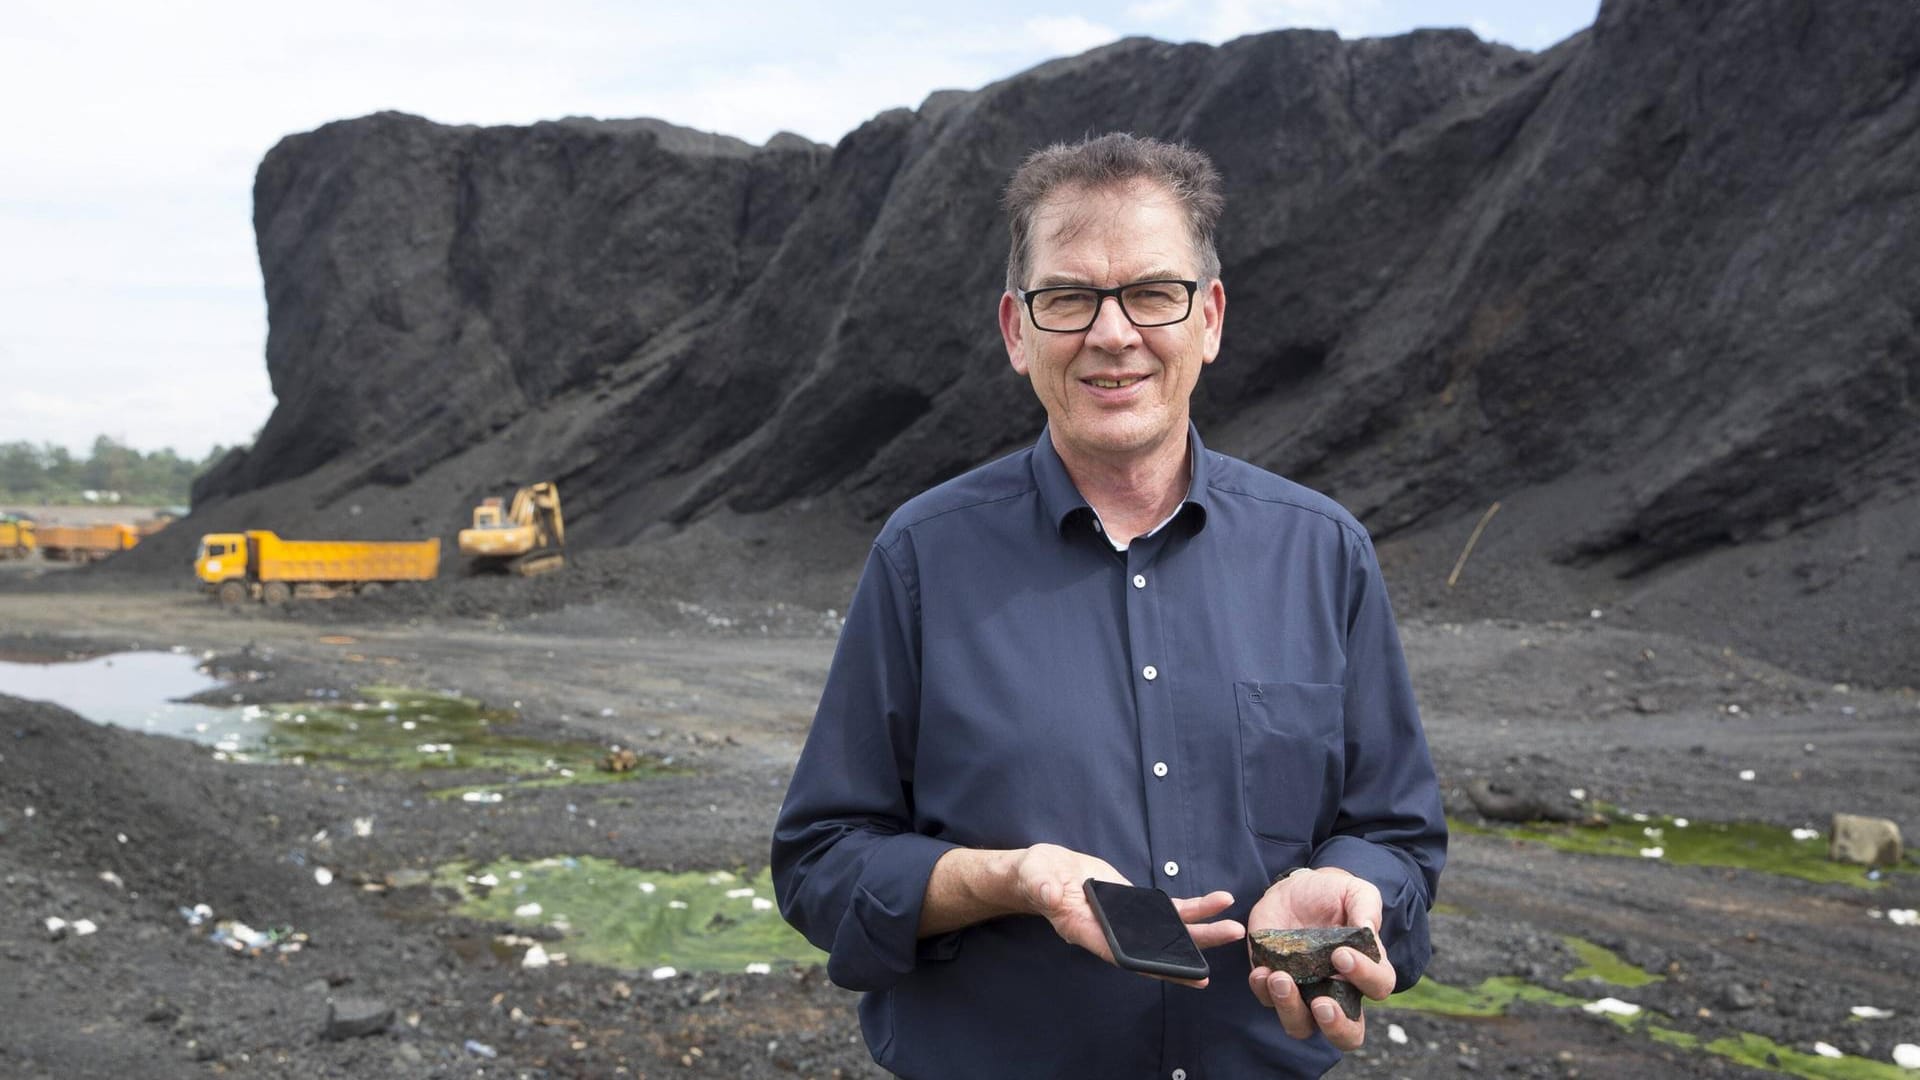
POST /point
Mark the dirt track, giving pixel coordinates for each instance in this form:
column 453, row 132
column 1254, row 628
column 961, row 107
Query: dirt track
column 1633, row 718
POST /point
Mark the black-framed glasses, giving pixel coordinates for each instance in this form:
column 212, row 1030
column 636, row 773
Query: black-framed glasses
column 1069, row 309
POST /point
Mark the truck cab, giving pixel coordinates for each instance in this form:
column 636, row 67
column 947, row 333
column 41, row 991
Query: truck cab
column 222, row 557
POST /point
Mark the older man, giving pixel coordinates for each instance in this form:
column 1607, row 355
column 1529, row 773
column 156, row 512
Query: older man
column 1115, row 655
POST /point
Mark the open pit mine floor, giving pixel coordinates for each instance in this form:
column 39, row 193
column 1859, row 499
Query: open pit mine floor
column 433, row 847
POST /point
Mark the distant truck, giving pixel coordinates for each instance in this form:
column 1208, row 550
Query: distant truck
column 17, row 540
column 85, row 543
column 258, row 565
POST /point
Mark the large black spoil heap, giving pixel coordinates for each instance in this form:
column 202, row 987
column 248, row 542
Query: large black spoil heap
column 1656, row 288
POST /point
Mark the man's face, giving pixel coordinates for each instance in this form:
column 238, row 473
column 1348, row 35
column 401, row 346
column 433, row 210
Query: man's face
column 1114, row 392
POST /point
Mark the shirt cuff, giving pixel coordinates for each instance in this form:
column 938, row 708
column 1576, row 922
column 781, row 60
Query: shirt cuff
column 1403, row 901
column 878, row 940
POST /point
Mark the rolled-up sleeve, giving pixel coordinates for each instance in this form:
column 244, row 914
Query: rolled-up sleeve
column 1390, row 829
column 849, row 870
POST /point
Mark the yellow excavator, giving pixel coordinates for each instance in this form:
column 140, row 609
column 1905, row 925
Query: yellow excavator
column 524, row 536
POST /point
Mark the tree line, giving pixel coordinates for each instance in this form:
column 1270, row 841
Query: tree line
column 51, row 474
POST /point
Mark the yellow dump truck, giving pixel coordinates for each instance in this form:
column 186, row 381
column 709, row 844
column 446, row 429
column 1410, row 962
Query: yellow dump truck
column 17, row 539
column 257, row 565
column 84, row 543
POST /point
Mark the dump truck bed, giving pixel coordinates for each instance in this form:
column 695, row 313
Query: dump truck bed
column 343, row 560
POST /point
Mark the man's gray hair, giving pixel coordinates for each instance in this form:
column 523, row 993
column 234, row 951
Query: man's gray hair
column 1104, row 163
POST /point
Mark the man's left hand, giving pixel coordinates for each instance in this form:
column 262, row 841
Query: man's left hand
column 1327, row 896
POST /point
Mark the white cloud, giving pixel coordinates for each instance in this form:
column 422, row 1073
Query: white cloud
column 1068, row 34
column 1233, row 18
column 130, row 296
column 1155, row 10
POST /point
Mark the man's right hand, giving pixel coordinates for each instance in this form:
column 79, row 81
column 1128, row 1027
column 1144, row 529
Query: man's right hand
column 1051, row 880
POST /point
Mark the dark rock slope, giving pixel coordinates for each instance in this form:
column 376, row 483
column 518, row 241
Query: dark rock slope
column 1657, row 285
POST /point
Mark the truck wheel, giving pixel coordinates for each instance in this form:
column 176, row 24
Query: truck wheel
column 233, row 593
column 276, row 594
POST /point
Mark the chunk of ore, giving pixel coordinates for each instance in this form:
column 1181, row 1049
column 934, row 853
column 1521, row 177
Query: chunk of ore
column 1307, row 955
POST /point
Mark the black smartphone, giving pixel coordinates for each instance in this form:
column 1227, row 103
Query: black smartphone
column 1144, row 931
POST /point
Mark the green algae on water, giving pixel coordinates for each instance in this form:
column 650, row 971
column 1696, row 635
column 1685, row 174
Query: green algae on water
column 1491, row 998
column 1759, row 1052
column 1738, row 844
column 1599, row 964
column 622, row 917
column 399, row 728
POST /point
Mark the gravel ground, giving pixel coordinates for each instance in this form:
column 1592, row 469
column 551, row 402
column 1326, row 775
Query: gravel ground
column 1631, row 716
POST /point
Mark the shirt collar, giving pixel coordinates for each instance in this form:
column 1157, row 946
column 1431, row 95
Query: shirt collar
column 1065, row 506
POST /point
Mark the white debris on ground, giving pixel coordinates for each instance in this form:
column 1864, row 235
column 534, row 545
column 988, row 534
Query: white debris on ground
column 1806, row 834
column 1611, row 1007
column 758, row 968
column 1868, row 1012
column 1827, row 1050
column 1652, row 852
column 536, row 957
column 1396, row 1035
column 527, row 911
column 663, row 973
column 1907, row 1056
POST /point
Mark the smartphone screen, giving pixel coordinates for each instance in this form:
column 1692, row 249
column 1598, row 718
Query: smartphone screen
column 1144, row 931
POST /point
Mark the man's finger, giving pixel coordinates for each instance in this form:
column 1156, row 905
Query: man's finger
column 1340, row 1031
column 1288, row 1006
column 1198, row 908
column 1214, row 934
column 1374, row 978
column 1364, row 905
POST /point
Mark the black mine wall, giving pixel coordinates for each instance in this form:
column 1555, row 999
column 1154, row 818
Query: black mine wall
column 1671, row 265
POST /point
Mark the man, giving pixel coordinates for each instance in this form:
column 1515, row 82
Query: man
column 1115, row 655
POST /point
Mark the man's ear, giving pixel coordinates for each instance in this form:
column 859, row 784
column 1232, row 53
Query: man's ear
column 1213, row 313
column 1013, row 331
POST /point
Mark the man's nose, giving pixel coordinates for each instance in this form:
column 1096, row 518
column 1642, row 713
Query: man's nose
column 1111, row 329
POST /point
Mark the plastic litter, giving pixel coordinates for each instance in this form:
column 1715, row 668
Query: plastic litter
column 1611, row 1007
column 475, row 1046
column 1868, row 1012
column 241, row 938
column 664, row 973
column 1907, row 1056
column 1396, row 1035
column 1827, row 1050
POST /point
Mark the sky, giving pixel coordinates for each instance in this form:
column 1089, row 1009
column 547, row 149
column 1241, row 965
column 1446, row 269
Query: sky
column 130, row 296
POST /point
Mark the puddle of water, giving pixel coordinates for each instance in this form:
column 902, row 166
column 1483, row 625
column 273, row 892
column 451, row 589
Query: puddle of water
column 130, row 690
column 622, row 917
column 1738, row 844
column 384, row 726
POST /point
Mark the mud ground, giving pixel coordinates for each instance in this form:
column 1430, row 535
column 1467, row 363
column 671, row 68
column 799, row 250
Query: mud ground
column 725, row 679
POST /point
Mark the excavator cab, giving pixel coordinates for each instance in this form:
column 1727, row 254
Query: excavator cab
column 524, row 537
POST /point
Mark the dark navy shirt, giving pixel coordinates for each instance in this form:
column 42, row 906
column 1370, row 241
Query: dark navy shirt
column 1222, row 702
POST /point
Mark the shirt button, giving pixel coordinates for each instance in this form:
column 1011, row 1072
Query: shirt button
column 1097, row 527
column 1159, row 768
column 1179, row 1074
column 1139, row 581
column 1150, row 672
column 1172, row 868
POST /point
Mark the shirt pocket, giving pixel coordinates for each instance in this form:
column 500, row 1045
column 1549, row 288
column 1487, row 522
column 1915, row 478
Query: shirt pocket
column 1292, row 756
